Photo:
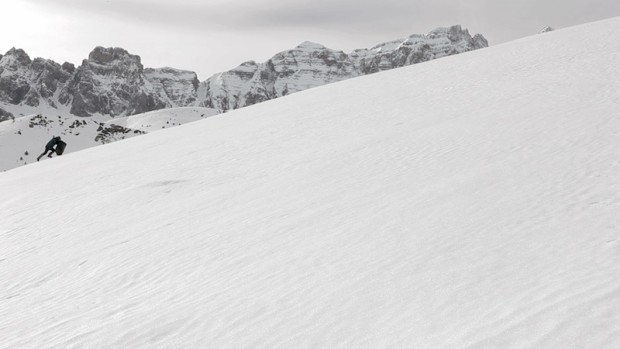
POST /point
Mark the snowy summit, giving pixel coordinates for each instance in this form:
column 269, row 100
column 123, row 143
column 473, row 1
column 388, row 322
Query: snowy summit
column 469, row 202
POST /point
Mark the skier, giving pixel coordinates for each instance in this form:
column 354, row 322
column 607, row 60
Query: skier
column 50, row 147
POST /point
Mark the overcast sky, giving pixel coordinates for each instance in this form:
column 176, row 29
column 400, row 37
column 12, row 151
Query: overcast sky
column 209, row 36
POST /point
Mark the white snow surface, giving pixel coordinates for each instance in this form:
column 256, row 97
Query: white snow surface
column 470, row 202
column 24, row 138
column 163, row 118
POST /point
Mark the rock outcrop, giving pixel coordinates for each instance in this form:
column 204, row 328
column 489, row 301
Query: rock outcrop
column 546, row 30
column 5, row 115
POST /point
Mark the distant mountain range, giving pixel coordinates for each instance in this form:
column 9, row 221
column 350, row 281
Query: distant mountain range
column 112, row 82
column 111, row 96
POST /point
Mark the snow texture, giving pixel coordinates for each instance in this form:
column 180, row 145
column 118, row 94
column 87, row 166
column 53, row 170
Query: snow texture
column 470, row 202
column 165, row 118
column 25, row 137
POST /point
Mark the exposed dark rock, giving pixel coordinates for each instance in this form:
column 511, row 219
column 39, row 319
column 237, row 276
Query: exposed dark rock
column 111, row 133
column 105, row 83
column 68, row 67
column 5, row 115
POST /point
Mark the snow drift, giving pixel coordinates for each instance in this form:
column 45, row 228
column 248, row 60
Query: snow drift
column 468, row 202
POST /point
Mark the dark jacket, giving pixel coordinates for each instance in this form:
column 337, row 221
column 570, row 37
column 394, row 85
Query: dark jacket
column 50, row 145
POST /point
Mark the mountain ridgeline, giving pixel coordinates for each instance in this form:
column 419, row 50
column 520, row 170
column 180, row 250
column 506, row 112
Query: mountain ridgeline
column 113, row 82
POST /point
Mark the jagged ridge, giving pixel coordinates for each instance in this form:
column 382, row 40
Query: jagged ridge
column 113, row 82
column 311, row 64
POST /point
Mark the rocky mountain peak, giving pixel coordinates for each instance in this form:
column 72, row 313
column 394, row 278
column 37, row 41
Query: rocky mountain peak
column 113, row 82
column 480, row 41
column 457, row 35
column 68, row 67
column 310, row 46
column 454, row 33
column 16, row 56
column 14, row 76
column 48, row 76
column 105, row 56
column 546, row 29
column 310, row 64
column 247, row 66
column 113, row 62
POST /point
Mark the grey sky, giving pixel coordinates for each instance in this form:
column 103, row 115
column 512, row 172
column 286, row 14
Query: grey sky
column 210, row 36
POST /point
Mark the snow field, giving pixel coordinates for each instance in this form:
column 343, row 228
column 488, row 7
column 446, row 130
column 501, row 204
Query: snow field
column 161, row 119
column 471, row 203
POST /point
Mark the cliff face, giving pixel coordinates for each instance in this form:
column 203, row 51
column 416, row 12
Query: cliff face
column 113, row 82
column 31, row 83
column 172, row 86
column 110, row 82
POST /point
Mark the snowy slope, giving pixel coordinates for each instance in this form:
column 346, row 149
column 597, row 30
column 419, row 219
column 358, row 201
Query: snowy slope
column 165, row 118
column 24, row 138
column 473, row 206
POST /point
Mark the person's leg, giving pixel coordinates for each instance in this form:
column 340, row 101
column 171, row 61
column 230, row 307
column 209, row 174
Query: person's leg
column 51, row 152
column 40, row 156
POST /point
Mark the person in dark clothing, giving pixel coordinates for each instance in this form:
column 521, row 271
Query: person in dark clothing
column 50, row 147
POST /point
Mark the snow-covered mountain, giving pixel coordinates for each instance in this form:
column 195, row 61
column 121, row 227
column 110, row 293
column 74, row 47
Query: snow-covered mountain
column 24, row 82
column 113, row 84
column 470, row 202
column 311, row 65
